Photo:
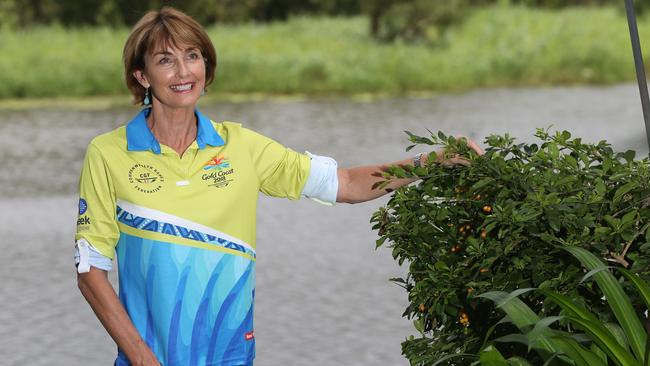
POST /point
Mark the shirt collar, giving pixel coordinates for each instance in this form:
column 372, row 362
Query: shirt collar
column 140, row 138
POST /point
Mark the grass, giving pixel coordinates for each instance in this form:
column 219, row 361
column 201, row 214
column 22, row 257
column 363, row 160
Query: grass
column 497, row 46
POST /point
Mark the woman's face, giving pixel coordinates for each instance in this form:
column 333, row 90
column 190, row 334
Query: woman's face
column 175, row 76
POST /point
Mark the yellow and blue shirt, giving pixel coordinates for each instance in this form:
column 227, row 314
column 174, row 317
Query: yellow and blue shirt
column 183, row 228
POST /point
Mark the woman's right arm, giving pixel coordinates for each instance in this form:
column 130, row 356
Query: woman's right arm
column 101, row 296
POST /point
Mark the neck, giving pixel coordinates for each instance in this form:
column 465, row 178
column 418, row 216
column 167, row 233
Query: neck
column 174, row 127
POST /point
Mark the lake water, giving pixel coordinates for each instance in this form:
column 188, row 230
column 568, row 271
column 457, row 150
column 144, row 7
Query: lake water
column 323, row 296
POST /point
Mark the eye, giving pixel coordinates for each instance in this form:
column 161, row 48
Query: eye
column 194, row 56
column 164, row 60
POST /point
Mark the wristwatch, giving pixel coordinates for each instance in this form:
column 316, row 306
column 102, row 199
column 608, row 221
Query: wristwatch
column 417, row 160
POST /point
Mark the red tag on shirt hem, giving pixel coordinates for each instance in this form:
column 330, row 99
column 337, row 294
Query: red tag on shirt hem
column 248, row 336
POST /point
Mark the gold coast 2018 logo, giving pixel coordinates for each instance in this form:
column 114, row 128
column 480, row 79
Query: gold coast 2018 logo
column 145, row 178
column 220, row 172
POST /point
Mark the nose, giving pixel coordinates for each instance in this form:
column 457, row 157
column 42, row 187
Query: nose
column 182, row 68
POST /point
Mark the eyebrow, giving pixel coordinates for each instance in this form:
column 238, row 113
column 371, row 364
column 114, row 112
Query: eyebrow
column 189, row 49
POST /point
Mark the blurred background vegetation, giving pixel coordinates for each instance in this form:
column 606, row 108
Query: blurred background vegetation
column 56, row 48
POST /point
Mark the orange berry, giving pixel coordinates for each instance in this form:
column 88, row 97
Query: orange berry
column 487, row 208
column 422, row 308
column 483, row 270
column 463, row 319
column 483, row 234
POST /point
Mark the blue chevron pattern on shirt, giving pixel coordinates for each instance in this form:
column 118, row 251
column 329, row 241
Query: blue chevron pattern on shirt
column 143, row 223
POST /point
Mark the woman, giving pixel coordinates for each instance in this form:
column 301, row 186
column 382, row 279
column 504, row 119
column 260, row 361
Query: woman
column 174, row 195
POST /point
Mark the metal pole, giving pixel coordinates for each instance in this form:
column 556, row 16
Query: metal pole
column 640, row 71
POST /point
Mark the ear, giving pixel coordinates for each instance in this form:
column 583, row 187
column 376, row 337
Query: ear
column 141, row 78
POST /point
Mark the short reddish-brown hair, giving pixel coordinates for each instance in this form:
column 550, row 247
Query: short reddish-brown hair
column 166, row 27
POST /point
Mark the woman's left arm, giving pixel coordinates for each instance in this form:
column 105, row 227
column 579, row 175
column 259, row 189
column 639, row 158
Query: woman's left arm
column 356, row 184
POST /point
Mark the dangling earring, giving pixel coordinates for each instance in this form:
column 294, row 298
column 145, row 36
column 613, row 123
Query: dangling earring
column 147, row 99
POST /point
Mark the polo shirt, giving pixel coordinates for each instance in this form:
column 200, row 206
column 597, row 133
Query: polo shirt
column 183, row 228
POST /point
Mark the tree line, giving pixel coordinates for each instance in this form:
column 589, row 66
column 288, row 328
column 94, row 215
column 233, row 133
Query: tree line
column 407, row 20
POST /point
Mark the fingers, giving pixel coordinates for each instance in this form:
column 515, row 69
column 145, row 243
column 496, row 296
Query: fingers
column 459, row 161
column 472, row 145
column 454, row 161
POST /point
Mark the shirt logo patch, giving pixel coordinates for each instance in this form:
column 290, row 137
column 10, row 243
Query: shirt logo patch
column 220, row 174
column 219, row 162
column 83, row 222
column 145, row 178
column 249, row 336
column 83, row 206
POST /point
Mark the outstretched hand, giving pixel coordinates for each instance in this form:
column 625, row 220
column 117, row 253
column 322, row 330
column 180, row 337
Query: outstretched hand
column 447, row 160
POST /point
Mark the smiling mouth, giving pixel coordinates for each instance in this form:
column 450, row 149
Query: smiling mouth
column 182, row 87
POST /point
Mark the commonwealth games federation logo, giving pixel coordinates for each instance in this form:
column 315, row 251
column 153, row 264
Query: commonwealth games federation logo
column 146, row 178
column 219, row 162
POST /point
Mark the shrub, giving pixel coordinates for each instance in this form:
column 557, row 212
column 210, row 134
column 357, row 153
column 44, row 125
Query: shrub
column 501, row 224
column 428, row 21
column 414, row 20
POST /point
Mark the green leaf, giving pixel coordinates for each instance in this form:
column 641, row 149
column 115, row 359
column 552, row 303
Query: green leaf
column 577, row 353
column 618, row 333
column 513, row 338
column 600, row 187
column 521, row 316
column 482, row 183
column 571, row 307
column 513, row 294
column 642, row 286
column 612, row 221
column 617, row 299
column 553, row 150
column 419, row 325
column 605, row 341
column 592, row 273
column 542, row 327
column 624, row 189
column 592, row 325
column 490, row 356
column 629, row 217
column 629, row 155
column 598, row 352
column 518, row 361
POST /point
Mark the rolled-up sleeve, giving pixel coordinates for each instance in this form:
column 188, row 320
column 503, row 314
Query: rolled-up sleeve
column 96, row 221
column 323, row 183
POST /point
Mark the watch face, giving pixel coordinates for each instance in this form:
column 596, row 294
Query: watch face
column 417, row 160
